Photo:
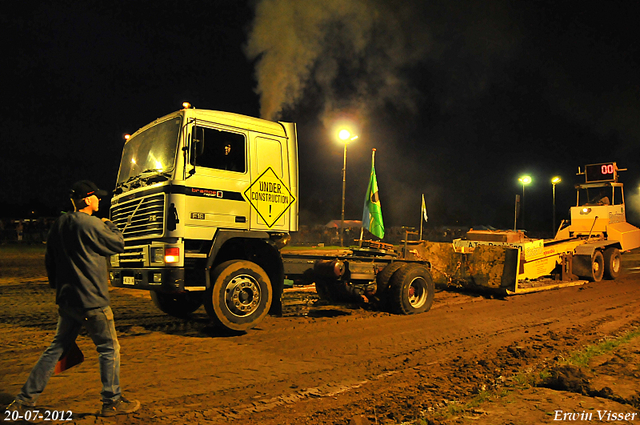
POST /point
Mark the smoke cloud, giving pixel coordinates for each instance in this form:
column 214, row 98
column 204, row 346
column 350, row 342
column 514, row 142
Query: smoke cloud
column 351, row 54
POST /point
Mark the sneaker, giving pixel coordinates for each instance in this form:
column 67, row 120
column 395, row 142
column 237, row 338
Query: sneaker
column 120, row 407
column 16, row 406
column 18, row 411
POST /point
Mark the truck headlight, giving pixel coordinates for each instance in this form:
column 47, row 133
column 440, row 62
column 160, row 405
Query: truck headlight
column 115, row 260
column 157, row 255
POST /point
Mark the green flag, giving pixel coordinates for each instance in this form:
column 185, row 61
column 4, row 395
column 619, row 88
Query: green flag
column 372, row 215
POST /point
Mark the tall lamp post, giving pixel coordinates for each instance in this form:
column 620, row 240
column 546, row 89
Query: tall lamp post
column 346, row 137
column 525, row 180
column 554, row 182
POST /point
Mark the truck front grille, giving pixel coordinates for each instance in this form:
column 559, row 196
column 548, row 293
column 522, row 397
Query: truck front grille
column 141, row 217
column 133, row 257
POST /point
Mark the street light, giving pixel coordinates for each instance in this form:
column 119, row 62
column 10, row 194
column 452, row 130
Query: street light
column 525, row 180
column 554, row 182
column 345, row 136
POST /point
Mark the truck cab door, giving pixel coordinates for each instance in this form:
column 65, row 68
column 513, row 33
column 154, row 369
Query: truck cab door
column 269, row 193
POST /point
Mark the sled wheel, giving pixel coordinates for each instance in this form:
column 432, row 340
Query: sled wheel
column 411, row 290
column 612, row 263
column 178, row 305
column 240, row 295
column 597, row 267
column 384, row 277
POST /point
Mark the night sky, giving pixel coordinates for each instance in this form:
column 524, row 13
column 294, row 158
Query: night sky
column 459, row 98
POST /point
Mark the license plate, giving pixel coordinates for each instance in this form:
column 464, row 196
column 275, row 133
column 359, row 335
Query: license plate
column 128, row 280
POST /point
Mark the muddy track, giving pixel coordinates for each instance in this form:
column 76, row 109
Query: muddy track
column 319, row 363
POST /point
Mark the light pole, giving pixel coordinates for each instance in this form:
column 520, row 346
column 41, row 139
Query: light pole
column 554, row 182
column 346, row 137
column 525, row 180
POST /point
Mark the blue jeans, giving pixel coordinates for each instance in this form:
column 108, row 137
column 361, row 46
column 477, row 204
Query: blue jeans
column 101, row 328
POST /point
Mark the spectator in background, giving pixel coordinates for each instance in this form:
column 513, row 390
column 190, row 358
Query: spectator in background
column 19, row 231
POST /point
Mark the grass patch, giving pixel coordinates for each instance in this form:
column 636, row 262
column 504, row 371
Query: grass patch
column 315, row 247
column 524, row 380
column 584, row 356
column 480, row 398
column 20, row 249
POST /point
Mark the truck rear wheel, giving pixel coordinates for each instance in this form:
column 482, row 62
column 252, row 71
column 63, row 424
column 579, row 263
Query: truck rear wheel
column 240, row 295
column 384, row 277
column 612, row 263
column 178, row 305
column 411, row 290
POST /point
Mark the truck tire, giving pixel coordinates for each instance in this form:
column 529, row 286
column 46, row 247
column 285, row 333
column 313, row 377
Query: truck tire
column 384, row 277
column 597, row 267
column 178, row 305
column 240, row 295
column 411, row 290
column 612, row 263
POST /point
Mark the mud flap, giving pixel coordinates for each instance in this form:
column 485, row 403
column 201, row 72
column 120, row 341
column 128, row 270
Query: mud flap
column 581, row 265
column 511, row 264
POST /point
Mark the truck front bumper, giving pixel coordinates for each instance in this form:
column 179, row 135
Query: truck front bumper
column 155, row 279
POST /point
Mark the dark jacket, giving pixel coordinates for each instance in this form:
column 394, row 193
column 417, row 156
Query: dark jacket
column 75, row 259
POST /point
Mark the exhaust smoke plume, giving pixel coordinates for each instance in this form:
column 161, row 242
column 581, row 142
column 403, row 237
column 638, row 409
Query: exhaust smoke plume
column 350, row 53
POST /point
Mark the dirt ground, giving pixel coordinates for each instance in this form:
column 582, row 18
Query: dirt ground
column 472, row 359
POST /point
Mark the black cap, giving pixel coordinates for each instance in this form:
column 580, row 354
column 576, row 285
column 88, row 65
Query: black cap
column 86, row 188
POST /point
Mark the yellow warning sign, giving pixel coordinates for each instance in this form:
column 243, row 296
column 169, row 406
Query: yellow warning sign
column 269, row 196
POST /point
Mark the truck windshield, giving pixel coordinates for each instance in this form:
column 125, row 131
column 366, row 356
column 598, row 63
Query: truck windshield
column 153, row 150
column 606, row 195
column 595, row 196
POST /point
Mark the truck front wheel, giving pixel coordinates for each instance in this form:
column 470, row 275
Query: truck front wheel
column 411, row 290
column 612, row 263
column 597, row 267
column 178, row 305
column 240, row 295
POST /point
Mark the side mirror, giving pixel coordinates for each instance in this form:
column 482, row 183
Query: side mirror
column 198, row 141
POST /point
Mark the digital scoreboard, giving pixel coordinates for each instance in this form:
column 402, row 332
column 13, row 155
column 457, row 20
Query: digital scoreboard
column 605, row 172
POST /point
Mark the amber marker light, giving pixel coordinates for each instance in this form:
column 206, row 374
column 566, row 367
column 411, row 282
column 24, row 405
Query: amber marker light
column 172, row 255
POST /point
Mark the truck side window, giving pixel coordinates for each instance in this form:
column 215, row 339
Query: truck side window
column 617, row 196
column 221, row 150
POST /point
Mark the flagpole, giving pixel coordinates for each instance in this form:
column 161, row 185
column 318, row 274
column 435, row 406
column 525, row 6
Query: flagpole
column 373, row 156
column 372, row 213
column 421, row 215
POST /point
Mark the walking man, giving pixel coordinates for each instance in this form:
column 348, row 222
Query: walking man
column 76, row 266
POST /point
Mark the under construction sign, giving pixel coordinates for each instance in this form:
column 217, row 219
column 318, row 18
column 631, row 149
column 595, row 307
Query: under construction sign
column 269, row 196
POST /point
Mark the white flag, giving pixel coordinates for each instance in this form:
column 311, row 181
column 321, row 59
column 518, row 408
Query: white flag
column 424, row 209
